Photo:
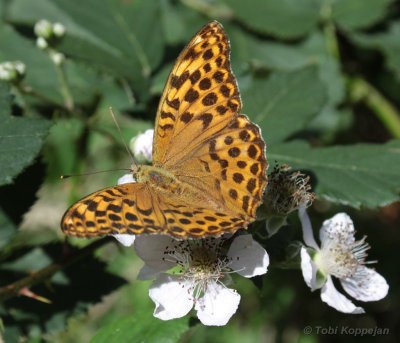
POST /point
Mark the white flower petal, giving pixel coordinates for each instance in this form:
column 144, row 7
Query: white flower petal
column 125, row 239
column 308, row 235
column 142, row 145
column 338, row 301
column 308, row 269
column 127, row 178
column 151, row 249
column 366, row 285
column 147, row 273
column 249, row 258
column 339, row 228
column 172, row 296
column 217, row 305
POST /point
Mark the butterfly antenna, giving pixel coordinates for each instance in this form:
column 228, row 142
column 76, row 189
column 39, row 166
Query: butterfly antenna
column 63, row 177
column 122, row 138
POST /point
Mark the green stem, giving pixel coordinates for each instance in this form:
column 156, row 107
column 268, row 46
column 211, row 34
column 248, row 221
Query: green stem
column 383, row 108
column 65, row 90
column 329, row 30
column 42, row 275
column 27, row 90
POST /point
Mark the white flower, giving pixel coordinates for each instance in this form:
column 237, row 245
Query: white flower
column 201, row 272
column 142, row 146
column 125, row 239
column 341, row 256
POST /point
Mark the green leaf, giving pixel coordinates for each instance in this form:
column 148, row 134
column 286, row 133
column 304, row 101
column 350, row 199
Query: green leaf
column 34, row 259
column 61, row 151
column 358, row 14
column 388, row 43
column 289, row 57
column 361, row 175
column 173, row 25
column 123, row 37
column 284, row 103
column 21, row 139
column 287, row 19
column 143, row 328
column 7, row 229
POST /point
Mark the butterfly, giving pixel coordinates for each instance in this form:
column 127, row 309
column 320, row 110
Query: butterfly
column 209, row 164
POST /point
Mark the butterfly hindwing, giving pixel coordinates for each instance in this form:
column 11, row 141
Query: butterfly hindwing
column 134, row 209
column 123, row 209
column 231, row 166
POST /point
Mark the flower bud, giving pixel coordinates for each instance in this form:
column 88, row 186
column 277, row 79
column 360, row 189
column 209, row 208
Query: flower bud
column 41, row 43
column 58, row 58
column 58, row 30
column 43, row 28
column 12, row 71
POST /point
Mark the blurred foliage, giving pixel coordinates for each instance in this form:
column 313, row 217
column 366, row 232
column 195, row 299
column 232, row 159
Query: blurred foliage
column 320, row 77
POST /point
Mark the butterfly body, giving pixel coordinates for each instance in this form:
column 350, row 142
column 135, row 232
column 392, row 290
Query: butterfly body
column 165, row 182
column 209, row 165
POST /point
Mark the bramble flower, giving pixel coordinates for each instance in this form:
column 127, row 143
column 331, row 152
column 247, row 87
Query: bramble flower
column 142, row 146
column 12, row 71
column 286, row 191
column 341, row 256
column 200, row 274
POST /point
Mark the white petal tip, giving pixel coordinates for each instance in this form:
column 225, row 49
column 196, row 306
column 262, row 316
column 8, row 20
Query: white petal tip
column 125, row 240
column 127, row 178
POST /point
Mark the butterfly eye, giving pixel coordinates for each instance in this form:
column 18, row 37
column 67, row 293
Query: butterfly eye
column 155, row 177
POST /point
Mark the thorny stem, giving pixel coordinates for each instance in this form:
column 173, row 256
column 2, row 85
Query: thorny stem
column 42, row 275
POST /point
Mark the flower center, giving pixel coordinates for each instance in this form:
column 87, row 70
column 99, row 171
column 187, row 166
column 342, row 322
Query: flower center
column 342, row 260
column 202, row 262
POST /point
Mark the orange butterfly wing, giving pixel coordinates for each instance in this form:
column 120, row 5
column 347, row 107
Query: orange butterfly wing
column 134, row 208
column 199, row 137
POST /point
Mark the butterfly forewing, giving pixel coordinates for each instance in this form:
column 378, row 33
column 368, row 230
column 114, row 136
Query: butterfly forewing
column 200, row 98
